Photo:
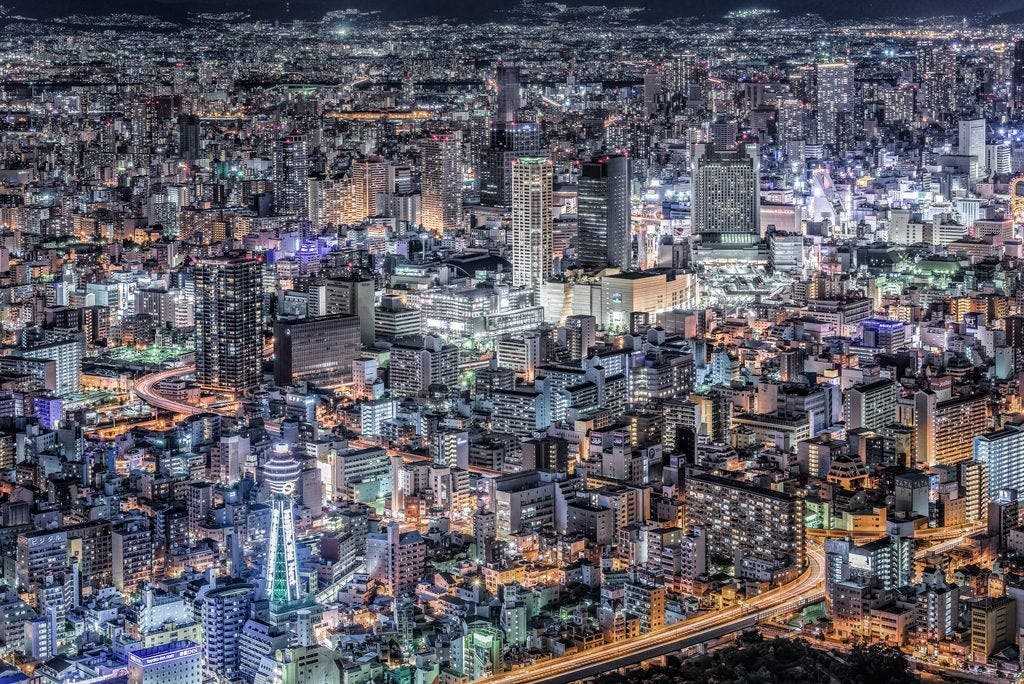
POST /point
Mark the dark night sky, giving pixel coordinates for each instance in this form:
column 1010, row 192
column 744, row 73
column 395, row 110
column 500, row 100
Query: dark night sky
column 483, row 9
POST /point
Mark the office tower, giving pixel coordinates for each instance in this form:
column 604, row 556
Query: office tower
column 189, row 134
column 870, row 405
column 945, row 428
column 225, row 610
column 291, row 175
column 972, row 144
column 368, row 185
column 722, row 133
column 441, row 184
column 1017, row 75
column 229, row 321
column 532, row 223
column 760, row 530
column 834, row 97
column 282, row 571
column 507, row 141
column 393, row 320
column 726, row 196
column 319, row 349
column 507, row 100
column 883, row 334
column 605, row 237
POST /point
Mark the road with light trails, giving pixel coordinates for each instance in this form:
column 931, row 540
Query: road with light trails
column 608, row 657
column 145, row 389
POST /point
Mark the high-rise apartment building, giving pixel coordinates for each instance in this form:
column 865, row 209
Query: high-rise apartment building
column 971, row 141
column 441, row 185
column 291, row 175
column 945, row 428
column 833, row 98
column 229, row 321
column 368, row 184
column 224, row 610
column 532, row 222
column 760, row 530
column 1001, row 452
column 419, row 362
column 189, row 135
column 870, row 405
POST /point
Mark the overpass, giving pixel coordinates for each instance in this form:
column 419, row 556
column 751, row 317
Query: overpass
column 806, row 589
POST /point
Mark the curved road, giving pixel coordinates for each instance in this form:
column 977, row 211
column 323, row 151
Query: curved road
column 145, row 389
column 608, row 657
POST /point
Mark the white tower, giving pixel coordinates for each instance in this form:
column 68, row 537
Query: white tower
column 282, row 575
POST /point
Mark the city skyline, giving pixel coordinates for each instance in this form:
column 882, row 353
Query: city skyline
column 539, row 344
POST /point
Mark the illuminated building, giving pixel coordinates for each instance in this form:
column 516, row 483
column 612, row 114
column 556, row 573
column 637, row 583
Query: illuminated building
column 508, row 142
column 291, row 175
column 507, row 102
column 319, row 350
column 441, row 187
column 833, row 98
column 605, row 237
column 532, row 223
column 760, row 530
column 179, row 662
column 945, row 427
column 229, row 320
column 726, row 196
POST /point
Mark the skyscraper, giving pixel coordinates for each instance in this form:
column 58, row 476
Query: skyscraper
column 507, row 102
column 367, row 184
column 189, row 133
column 604, row 213
column 282, row 571
column 291, row 172
column 441, row 187
column 229, row 336
column 532, row 222
column 726, row 196
column 507, row 142
column 834, row 96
